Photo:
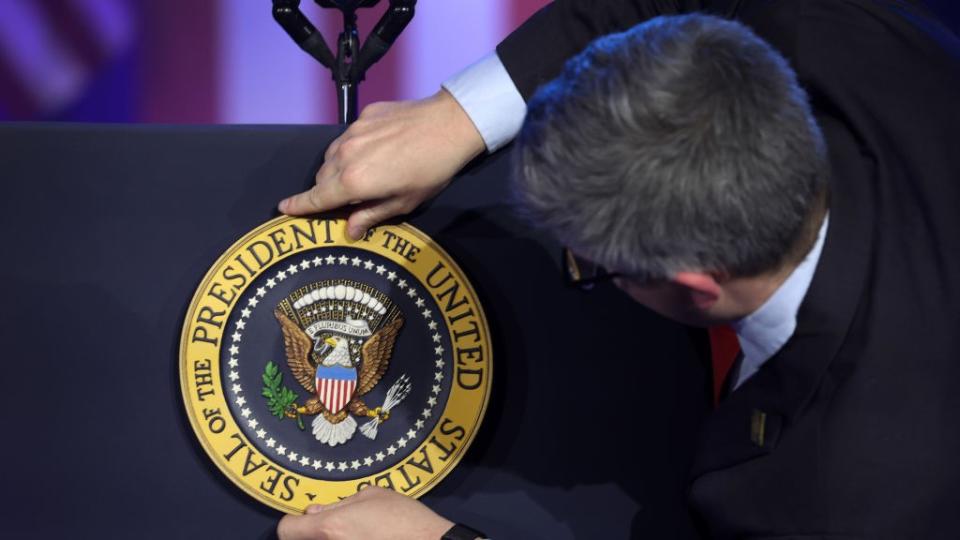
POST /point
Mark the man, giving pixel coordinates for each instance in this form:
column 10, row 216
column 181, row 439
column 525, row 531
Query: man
column 839, row 424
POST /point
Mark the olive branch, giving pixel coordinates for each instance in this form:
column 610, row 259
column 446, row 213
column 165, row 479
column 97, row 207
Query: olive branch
column 280, row 399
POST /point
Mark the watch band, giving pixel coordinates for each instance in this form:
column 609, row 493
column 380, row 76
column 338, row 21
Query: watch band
column 462, row 532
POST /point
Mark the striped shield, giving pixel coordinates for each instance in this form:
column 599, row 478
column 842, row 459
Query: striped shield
column 335, row 386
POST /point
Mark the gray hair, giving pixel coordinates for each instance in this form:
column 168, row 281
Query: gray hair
column 684, row 143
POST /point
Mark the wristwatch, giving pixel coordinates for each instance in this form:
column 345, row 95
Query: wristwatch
column 462, row 532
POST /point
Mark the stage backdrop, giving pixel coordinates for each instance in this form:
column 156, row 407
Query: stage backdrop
column 226, row 61
column 218, row 61
column 107, row 232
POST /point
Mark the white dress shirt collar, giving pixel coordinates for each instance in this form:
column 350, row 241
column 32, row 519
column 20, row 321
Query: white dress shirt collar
column 766, row 330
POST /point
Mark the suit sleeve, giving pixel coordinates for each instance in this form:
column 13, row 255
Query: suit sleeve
column 536, row 51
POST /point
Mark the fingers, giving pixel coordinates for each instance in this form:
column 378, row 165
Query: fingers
column 326, row 195
column 365, row 216
column 373, row 513
column 392, row 158
column 296, row 528
column 328, row 192
column 369, row 214
column 317, row 508
column 367, row 492
column 308, row 526
column 332, row 149
column 364, row 493
column 341, row 179
column 313, row 527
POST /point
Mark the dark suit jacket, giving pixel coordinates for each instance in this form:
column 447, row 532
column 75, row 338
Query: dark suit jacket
column 859, row 412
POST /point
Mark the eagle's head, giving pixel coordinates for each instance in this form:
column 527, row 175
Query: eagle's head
column 324, row 346
column 340, row 355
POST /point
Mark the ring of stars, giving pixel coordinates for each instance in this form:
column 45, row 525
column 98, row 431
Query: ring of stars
column 237, row 393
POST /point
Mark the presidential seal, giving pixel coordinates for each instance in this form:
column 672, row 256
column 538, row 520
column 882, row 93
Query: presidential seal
column 312, row 365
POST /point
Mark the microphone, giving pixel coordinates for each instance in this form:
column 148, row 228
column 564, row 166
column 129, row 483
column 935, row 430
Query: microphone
column 287, row 13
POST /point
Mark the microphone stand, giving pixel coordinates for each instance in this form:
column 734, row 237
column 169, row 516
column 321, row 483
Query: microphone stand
column 352, row 61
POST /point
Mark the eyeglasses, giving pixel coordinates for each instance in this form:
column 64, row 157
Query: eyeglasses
column 583, row 273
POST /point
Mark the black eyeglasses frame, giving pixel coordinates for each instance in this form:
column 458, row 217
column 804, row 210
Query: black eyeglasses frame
column 583, row 273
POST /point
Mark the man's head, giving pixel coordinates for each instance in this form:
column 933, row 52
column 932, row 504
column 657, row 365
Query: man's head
column 681, row 148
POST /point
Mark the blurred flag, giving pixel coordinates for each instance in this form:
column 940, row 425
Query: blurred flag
column 219, row 61
column 50, row 50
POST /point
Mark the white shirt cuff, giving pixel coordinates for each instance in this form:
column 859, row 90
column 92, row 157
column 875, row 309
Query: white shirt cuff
column 491, row 100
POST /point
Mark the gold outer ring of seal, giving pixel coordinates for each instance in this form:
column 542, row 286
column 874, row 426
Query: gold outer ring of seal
column 205, row 396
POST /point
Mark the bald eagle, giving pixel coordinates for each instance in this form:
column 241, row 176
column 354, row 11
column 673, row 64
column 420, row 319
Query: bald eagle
column 308, row 364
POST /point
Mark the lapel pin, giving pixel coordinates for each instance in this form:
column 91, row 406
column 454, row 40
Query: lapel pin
column 758, row 423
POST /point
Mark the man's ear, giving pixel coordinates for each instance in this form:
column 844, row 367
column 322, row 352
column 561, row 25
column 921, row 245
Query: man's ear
column 703, row 288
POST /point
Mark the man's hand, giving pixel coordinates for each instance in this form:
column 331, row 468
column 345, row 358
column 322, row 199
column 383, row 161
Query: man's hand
column 371, row 514
column 394, row 157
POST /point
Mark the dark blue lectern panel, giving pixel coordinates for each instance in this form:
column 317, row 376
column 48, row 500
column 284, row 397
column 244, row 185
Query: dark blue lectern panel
column 108, row 230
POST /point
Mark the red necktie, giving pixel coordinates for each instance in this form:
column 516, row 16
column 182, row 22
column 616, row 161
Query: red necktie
column 724, row 348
